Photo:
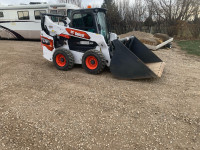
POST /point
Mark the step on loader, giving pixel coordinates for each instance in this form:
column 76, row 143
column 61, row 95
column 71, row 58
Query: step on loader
column 84, row 39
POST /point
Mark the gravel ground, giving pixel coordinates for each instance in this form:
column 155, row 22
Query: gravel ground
column 42, row 108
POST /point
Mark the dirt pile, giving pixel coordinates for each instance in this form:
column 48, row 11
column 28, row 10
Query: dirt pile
column 138, row 34
column 147, row 38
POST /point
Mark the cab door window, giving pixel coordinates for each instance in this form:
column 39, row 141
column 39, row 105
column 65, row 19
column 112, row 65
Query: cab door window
column 77, row 21
column 83, row 21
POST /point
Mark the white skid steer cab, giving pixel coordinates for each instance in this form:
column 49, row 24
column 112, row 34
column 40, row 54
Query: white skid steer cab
column 86, row 40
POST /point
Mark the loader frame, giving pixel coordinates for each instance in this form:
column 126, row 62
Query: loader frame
column 127, row 58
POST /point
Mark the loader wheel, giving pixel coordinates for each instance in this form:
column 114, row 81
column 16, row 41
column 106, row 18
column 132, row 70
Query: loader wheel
column 63, row 60
column 93, row 62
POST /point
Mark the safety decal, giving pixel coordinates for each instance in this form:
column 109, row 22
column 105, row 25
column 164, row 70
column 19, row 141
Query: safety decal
column 77, row 33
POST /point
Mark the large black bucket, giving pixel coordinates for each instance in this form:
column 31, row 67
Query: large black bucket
column 133, row 60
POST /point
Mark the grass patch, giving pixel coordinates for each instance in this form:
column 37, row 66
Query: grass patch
column 191, row 47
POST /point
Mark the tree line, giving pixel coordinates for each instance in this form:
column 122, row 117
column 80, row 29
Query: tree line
column 165, row 16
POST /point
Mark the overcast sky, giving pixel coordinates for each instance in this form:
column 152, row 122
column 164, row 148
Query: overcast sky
column 84, row 2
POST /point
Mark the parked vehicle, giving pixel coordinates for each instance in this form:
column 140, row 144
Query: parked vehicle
column 87, row 41
column 24, row 21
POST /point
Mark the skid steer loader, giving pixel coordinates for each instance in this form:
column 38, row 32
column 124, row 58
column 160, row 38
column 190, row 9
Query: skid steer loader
column 85, row 40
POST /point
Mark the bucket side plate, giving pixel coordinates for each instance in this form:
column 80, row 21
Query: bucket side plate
column 142, row 52
column 126, row 65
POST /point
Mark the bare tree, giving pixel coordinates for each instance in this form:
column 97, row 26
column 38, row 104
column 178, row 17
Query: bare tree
column 173, row 10
column 168, row 14
column 133, row 13
column 164, row 15
column 113, row 16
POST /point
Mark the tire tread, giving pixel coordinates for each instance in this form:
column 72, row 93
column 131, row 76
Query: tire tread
column 101, row 57
column 70, row 60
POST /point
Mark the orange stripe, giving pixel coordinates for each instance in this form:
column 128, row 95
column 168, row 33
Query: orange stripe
column 65, row 36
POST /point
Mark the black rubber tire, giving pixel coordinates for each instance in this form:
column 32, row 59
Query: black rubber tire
column 69, row 59
column 99, row 57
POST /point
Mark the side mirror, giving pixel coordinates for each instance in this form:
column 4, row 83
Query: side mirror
column 68, row 20
column 113, row 36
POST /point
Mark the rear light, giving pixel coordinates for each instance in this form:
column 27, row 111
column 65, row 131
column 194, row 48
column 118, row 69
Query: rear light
column 48, row 43
column 45, row 41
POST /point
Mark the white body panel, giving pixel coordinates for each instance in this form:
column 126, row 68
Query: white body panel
column 13, row 28
column 57, row 30
column 47, row 54
column 77, row 56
